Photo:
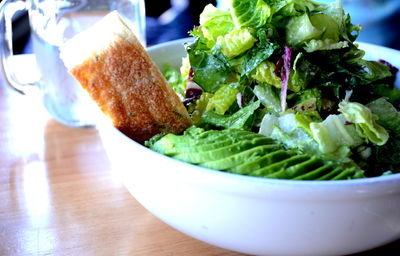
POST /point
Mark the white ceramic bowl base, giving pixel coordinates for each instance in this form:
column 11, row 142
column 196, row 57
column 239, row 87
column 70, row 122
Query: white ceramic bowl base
column 255, row 215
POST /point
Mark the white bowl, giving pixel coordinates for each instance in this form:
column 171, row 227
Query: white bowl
column 257, row 215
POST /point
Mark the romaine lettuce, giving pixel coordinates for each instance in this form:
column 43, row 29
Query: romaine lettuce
column 242, row 119
column 334, row 133
column 223, row 98
column 199, row 108
column 291, row 8
column 175, row 80
column 289, row 132
column 300, row 30
column 364, row 121
column 185, row 67
column 264, row 73
column 325, row 28
column 268, row 97
column 236, row 42
column 250, row 13
column 261, row 51
column 215, row 22
column 284, row 66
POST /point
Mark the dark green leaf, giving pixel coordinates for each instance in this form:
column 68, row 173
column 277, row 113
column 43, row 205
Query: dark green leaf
column 384, row 90
column 238, row 120
column 388, row 115
column 259, row 53
column 210, row 67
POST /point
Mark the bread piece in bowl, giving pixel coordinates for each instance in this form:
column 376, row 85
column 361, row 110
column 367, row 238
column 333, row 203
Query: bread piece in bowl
column 110, row 63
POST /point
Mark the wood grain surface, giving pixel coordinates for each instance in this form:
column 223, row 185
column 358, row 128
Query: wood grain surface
column 59, row 196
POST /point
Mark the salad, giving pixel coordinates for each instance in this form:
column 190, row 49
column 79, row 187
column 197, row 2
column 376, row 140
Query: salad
column 285, row 76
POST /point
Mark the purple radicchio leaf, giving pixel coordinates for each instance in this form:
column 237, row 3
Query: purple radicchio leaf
column 192, row 93
column 193, row 90
column 191, row 74
column 287, row 57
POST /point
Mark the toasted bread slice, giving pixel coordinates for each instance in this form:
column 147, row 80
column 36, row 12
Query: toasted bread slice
column 113, row 67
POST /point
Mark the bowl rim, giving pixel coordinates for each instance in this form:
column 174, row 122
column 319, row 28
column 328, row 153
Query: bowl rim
column 385, row 179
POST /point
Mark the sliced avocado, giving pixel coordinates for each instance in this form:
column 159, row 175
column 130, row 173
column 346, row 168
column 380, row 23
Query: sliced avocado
column 215, row 154
column 211, row 135
column 331, row 174
column 201, row 136
column 214, row 144
column 242, row 157
column 263, row 172
column 298, row 169
column 172, row 144
column 166, row 145
column 316, row 173
column 247, row 153
column 267, row 159
column 347, row 173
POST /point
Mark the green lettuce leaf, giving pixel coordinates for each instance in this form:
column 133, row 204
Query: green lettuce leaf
column 327, row 24
column 308, row 100
column 371, row 70
column 384, row 90
column 197, row 110
column 175, row 80
column 384, row 159
column 304, row 119
column 210, row 68
column 389, row 153
column 265, row 73
column 215, row 22
column 302, row 73
column 268, row 97
column 250, row 13
column 300, row 29
column 236, row 42
column 261, row 51
column 316, row 32
column 223, row 98
column 242, row 119
column 348, row 31
column 327, row 27
column 185, row 67
column 388, row 115
column 334, row 133
column 364, row 121
column 296, row 7
column 289, row 132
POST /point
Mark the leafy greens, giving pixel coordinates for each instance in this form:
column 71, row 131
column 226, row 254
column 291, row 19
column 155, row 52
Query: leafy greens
column 291, row 70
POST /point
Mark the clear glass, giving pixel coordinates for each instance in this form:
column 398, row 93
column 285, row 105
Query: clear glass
column 52, row 23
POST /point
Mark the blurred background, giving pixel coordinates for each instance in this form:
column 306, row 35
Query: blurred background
column 171, row 19
column 165, row 20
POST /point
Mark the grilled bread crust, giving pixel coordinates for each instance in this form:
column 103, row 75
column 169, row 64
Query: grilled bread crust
column 130, row 89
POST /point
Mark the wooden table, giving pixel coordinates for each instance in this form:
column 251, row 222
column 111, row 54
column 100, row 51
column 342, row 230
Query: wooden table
column 58, row 194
